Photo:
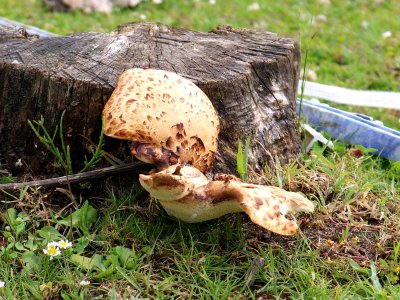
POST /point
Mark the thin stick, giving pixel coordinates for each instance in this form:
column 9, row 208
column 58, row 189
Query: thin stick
column 75, row 178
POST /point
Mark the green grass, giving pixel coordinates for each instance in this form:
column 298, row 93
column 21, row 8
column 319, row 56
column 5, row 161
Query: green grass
column 128, row 247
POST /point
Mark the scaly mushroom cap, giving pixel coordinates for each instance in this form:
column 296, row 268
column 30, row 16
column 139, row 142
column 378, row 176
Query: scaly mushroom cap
column 267, row 206
column 187, row 194
column 168, row 118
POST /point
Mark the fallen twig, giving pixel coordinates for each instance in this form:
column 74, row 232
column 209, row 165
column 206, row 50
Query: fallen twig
column 75, row 178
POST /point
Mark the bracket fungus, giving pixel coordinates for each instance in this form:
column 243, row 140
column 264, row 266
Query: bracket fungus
column 173, row 125
column 185, row 193
column 167, row 117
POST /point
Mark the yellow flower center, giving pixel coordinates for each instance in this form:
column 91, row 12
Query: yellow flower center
column 52, row 250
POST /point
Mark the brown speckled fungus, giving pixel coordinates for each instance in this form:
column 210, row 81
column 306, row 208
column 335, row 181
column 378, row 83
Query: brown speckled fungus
column 173, row 125
column 185, row 193
column 167, row 117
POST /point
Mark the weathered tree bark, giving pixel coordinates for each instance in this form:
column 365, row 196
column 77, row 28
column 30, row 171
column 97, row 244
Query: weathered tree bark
column 250, row 77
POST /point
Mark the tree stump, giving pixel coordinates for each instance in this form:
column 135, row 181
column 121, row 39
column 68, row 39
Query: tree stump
column 251, row 78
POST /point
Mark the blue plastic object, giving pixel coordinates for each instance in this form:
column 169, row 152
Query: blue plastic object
column 352, row 128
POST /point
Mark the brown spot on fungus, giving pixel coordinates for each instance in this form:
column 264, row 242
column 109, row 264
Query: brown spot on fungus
column 198, row 145
column 169, row 143
column 123, row 133
column 179, row 136
column 180, row 126
column 258, row 202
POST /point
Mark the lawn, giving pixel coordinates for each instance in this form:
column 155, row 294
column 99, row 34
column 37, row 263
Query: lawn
column 127, row 247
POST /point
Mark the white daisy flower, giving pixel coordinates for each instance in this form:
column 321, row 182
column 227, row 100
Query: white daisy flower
column 64, row 244
column 52, row 250
column 2, row 284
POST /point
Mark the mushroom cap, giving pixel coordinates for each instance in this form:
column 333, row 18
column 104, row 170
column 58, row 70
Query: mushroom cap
column 165, row 112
